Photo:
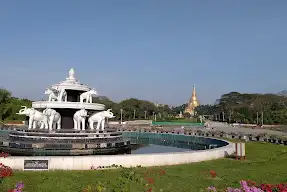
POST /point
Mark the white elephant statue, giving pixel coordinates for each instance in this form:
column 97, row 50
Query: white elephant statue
column 62, row 96
column 80, row 119
column 34, row 117
column 56, row 94
column 88, row 96
column 100, row 117
column 53, row 94
column 52, row 118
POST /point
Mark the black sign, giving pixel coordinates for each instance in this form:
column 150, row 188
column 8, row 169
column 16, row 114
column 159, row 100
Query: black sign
column 36, row 164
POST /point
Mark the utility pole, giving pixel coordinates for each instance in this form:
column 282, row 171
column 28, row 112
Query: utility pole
column 134, row 114
column 121, row 116
column 145, row 114
column 262, row 118
column 229, row 116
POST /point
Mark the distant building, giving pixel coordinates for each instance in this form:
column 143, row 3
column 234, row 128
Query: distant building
column 180, row 115
column 282, row 93
column 158, row 104
column 192, row 103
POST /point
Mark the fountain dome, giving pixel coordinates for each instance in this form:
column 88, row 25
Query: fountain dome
column 71, row 83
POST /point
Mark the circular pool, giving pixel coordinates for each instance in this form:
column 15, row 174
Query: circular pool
column 140, row 143
column 147, row 142
column 156, row 149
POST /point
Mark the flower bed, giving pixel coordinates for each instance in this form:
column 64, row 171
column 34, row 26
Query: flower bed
column 6, row 171
column 15, row 123
column 146, row 182
column 250, row 186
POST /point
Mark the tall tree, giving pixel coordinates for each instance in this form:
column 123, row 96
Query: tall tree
column 5, row 97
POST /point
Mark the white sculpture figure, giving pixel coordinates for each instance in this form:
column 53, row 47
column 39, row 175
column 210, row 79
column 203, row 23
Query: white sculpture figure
column 56, row 94
column 62, row 95
column 52, row 118
column 34, row 117
column 72, row 73
column 80, row 118
column 88, row 96
column 100, row 117
column 53, row 94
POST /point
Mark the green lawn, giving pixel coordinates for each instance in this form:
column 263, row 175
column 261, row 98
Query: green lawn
column 264, row 163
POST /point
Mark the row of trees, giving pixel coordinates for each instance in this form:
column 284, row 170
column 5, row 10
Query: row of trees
column 247, row 108
column 132, row 108
column 231, row 107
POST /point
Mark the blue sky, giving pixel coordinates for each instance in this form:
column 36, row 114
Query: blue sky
column 151, row 49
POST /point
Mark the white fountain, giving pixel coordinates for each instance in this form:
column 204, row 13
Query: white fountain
column 68, row 106
column 65, row 124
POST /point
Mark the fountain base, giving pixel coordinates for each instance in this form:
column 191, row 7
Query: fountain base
column 37, row 142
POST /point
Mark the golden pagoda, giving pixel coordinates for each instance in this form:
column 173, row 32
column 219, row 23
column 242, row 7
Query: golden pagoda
column 192, row 104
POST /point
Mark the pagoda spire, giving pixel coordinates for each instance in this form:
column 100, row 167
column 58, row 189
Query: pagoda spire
column 193, row 97
column 193, row 102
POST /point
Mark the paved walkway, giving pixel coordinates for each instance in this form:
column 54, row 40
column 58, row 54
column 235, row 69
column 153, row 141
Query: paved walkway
column 228, row 129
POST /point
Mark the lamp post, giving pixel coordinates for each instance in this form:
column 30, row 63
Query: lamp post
column 121, row 116
column 262, row 118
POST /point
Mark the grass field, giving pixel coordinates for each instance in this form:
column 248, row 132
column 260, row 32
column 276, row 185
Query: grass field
column 265, row 163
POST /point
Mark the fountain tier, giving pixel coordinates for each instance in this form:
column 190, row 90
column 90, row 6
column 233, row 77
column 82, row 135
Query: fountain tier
column 64, row 142
column 67, row 110
column 67, row 105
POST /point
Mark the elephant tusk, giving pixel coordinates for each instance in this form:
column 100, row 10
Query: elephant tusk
column 20, row 111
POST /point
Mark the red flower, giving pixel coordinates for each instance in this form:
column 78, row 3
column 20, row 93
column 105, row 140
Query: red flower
column 212, row 173
column 5, row 171
column 4, row 154
column 251, row 183
column 149, row 190
column 150, row 180
column 269, row 187
column 162, row 172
